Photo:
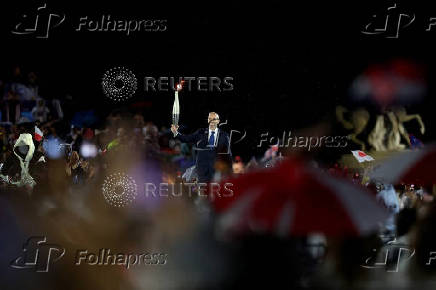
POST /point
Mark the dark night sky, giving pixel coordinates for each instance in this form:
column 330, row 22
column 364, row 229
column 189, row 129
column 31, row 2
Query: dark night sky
column 291, row 63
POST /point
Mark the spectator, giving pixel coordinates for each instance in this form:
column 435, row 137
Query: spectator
column 78, row 169
column 238, row 166
column 4, row 144
column 151, row 139
column 40, row 111
column 12, row 107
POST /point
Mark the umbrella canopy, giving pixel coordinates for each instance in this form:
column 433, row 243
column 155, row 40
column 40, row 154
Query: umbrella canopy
column 396, row 82
column 417, row 166
column 294, row 199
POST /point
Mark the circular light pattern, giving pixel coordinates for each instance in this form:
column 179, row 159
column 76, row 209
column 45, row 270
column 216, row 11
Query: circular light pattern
column 53, row 148
column 88, row 150
column 119, row 84
column 119, row 189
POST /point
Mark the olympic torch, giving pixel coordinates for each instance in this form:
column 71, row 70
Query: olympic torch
column 176, row 106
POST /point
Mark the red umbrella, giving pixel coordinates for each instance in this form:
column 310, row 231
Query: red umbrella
column 417, row 166
column 395, row 82
column 294, row 199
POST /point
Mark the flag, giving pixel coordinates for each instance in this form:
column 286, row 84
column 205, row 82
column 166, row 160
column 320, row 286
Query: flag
column 38, row 134
column 361, row 156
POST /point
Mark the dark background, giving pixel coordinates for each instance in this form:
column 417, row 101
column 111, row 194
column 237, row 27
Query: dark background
column 291, row 63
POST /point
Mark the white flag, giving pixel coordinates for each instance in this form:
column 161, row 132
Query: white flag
column 38, row 134
column 361, row 156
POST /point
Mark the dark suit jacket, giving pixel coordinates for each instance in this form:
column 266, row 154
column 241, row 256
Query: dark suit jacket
column 206, row 155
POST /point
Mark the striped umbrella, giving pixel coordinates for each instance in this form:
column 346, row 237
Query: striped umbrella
column 411, row 166
column 294, row 199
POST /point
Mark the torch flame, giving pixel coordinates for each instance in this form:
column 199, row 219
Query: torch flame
column 180, row 85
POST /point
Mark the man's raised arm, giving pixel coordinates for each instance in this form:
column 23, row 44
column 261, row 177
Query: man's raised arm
column 190, row 138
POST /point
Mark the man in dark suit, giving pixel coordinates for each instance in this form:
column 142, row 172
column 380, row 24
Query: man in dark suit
column 212, row 144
